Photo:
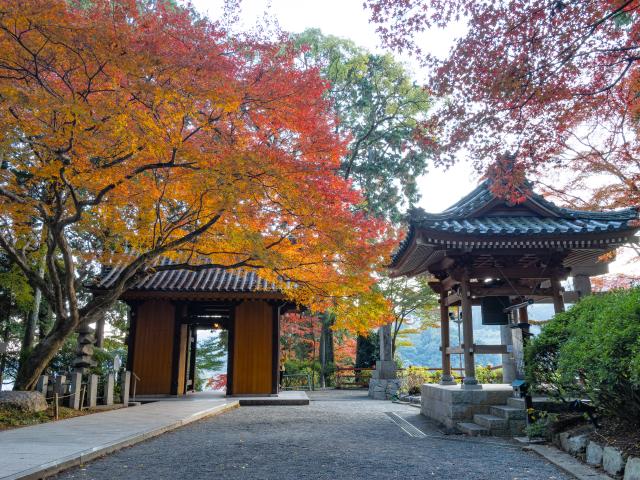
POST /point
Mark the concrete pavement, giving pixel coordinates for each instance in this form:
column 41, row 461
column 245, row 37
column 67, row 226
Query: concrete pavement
column 32, row 452
column 340, row 435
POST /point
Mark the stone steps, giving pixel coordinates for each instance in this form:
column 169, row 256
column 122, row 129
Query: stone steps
column 490, row 422
column 472, row 429
column 501, row 421
column 516, row 403
column 510, row 413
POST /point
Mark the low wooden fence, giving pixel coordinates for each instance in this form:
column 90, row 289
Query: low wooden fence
column 351, row 377
column 297, row 381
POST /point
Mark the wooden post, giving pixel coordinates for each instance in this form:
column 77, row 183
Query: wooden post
column 558, row 301
column 467, row 332
column 83, row 394
column 193, row 352
column 523, row 317
column 446, row 379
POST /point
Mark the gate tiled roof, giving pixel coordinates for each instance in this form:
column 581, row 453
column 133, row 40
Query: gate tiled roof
column 480, row 218
column 183, row 280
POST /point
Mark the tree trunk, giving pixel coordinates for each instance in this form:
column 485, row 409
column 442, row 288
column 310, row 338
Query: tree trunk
column 397, row 325
column 326, row 346
column 44, row 323
column 31, row 322
column 35, row 363
column 27, row 336
column 5, row 340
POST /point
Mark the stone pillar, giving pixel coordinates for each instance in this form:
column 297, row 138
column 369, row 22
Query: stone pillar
column 75, row 391
column 60, row 384
column 84, row 353
column 43, row 384
column 108, row 389
column 558, row 301
column 385, row 367
column 125, row 382
column 582, row 285
column 386, row 350
column 467, row 332
column 92, row 391
column 447, row 378
column 508, row 360
column 384, row 383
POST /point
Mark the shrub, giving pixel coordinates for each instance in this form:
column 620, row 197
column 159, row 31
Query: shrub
column 414, row 377
column 541, row 425
column 485, row 374
column 592, row 351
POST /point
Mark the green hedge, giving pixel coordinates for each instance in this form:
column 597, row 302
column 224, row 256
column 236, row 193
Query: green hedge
column 592, row 351
column 414, row 377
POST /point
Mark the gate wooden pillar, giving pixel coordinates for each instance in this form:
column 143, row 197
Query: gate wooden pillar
column 467, row 330
column 447, row 378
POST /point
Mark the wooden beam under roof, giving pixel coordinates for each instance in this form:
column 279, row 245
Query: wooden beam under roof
column 452, row 299
column 479, row 349
column 449, row 282
column 509, row 291
column 516, row 272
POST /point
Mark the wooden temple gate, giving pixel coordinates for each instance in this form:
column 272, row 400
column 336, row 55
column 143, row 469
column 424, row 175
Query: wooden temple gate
column 485, row 251
column 166, row 310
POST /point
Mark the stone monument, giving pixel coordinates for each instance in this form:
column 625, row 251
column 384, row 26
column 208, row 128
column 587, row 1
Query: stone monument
column 384, row 383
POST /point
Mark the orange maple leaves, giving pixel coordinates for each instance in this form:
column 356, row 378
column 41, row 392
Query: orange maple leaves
column 136, row 132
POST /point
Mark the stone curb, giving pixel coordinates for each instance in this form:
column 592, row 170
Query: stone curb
column 566, row 462
column 47, row 469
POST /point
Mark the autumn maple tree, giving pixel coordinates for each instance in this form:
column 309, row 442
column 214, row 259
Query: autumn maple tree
column 133, row 131
column 552, row 83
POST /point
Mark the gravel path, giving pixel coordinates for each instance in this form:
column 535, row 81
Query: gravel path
column 340, row 435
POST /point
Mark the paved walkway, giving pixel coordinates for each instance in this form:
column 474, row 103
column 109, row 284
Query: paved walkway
column 24, row 451
column 338, row 436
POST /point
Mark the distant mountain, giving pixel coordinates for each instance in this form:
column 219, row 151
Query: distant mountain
column 426, row 344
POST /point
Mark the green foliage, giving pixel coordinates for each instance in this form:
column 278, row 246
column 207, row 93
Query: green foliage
column 210, row 356
column 212, row 351
column 63, row 360
column 15, row 417
column 485, row 374
column 414, row 377
column 592, row 351
column 414, row 305
column 305, row 367
column 14, row 283
column 380, row 108
column 541, row 425
column 367, row 350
